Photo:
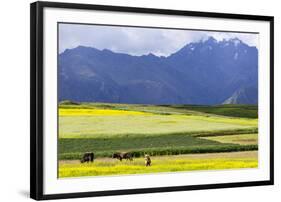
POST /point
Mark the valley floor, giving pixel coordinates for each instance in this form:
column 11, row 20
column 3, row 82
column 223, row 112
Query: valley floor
column 177, row 137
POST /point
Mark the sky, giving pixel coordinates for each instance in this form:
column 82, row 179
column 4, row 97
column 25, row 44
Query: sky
column 139, row 41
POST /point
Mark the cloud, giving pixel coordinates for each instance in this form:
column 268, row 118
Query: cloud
column 250, row 39
column 138, row 41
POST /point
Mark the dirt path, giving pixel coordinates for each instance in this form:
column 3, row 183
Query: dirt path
column 230, row 155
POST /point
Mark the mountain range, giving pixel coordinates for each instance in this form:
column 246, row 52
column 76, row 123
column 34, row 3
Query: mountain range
column 206, row 72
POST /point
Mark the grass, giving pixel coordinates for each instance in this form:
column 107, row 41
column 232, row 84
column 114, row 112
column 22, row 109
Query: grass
column 247, row 111
column 105, row 129
column 167, row 130
column 160, row 164
column 93, row 123
column 73, row 148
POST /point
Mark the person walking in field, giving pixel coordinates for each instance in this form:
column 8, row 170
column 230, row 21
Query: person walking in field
column 147, row 160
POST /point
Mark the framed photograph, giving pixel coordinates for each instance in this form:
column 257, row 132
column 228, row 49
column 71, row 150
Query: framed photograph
column 131, row 100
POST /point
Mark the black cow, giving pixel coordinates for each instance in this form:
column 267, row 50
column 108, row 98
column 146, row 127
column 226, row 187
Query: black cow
column 87, row 157
column 124, row 155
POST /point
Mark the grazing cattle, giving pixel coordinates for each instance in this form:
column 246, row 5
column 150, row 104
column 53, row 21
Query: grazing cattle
column 123, row 155
column 147, row 160
column 87, row 157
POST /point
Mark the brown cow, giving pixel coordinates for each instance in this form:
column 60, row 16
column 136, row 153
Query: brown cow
column 123, row 155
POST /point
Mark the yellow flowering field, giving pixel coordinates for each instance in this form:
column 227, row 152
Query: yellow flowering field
column 98, row 112
column 193, row 162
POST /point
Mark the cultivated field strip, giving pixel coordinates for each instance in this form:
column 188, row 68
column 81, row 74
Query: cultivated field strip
column 159, row 131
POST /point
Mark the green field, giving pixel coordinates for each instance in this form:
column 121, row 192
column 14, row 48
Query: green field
column 156, row 130
column 248, row 111
column 244, row 139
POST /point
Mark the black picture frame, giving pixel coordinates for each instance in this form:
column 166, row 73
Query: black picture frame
column 36, row 98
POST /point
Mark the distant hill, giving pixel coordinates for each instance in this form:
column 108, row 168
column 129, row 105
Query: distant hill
column 206, row 72
column 243, row 96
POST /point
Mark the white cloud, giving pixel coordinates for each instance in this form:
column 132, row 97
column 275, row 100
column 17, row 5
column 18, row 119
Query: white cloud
column 250, row 39
column 138, row 41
